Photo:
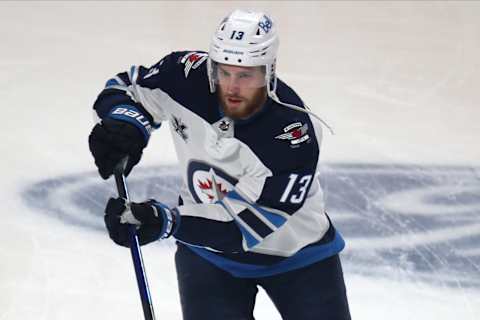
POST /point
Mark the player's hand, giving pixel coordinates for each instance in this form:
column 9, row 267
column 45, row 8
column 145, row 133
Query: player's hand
column 112, row 140
column 153, row 219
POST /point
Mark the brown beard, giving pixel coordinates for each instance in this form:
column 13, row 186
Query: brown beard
column 253, row 105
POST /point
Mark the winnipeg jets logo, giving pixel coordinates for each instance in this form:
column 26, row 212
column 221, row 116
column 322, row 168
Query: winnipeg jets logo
column 212, row 189
column 179, row 127
column 266, row 24
column 208, row 184
column 193, row 60
column 296, row 133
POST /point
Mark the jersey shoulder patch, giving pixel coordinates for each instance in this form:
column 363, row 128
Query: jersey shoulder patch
column 192, row 60
column 281, row 138
column 171, row 72
column 295, row 133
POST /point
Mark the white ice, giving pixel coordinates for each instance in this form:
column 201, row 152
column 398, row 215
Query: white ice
column 398, row 81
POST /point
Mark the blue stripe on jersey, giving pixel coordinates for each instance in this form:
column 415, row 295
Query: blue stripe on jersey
column 132, row 73
column 299, row 260
column 112, row 82
column 274, row 218
column 248, row 236
column 234, row 195
column 256, row 224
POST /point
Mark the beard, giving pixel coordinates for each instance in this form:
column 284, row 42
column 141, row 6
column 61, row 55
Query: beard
column 246, row 107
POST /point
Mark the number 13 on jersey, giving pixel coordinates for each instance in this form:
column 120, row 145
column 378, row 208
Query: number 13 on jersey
column 303, row 184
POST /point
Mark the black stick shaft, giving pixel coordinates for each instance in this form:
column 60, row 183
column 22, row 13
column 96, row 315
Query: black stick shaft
column 135, row 248
column 121, row 186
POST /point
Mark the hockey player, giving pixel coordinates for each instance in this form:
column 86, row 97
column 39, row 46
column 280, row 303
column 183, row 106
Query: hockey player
column 251, row 210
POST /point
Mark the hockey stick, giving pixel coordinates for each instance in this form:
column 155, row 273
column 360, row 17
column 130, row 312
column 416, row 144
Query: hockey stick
column 135, row 246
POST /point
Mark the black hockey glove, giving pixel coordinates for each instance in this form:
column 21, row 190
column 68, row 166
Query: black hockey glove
column 112, row 140
column 154, row 220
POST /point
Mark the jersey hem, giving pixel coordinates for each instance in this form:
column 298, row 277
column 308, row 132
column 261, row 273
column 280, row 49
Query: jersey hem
column 303, row 258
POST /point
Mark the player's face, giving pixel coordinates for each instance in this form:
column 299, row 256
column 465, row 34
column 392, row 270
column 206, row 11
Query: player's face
column 241, row 90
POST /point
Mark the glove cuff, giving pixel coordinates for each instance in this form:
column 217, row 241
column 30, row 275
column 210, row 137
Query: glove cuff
column 171, row 219
column 132, row 115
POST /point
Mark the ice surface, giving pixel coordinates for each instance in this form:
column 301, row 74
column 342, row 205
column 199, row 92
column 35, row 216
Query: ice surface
column 398, row 81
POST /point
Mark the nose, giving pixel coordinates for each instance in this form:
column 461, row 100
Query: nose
column 233, row 86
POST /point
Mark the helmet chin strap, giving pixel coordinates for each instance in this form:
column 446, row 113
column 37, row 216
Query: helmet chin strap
column 272, row 88
column 275, row 98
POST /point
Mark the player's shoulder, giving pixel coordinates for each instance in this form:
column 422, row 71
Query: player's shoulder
column 288, row 108
column 184, row 63
column 288, row 113
column 281, row 137
column 287, row 94
column 175, row 69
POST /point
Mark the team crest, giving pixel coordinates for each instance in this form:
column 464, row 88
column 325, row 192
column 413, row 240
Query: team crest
column 212, row 189
column 193, row 60
column 179, row 128
column 208, row 184
column 296, row 133
column 266, row 24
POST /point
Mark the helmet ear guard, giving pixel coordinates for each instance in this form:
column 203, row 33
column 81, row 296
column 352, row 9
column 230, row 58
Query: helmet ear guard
column 271, row 78
column 210, row 71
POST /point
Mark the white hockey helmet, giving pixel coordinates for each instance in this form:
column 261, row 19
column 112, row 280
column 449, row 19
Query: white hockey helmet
column 245, row 38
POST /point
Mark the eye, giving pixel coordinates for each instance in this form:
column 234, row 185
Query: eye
column 224, row 73
column 244, row 75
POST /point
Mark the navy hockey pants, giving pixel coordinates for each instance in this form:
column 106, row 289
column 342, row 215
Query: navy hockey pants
column 315, row 292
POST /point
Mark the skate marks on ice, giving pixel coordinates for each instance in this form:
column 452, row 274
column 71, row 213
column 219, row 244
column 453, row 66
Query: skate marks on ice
column 411, row 223
column 414, row 223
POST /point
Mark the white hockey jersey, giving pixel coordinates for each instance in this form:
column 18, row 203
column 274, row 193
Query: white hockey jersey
column 251, row 201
